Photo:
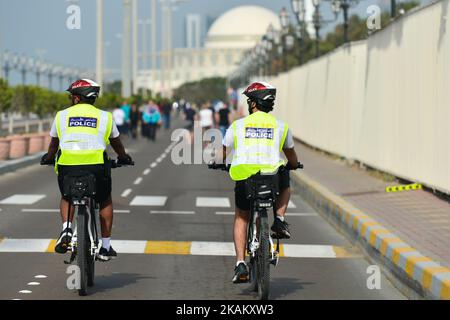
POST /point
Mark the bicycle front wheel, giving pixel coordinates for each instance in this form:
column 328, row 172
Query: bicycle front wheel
column 263, row 259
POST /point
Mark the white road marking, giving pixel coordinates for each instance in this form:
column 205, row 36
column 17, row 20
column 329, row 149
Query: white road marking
column 138, row 180
column 225, row 213
column 296, row 214
column 23, row 199
column 33, row 283
column 129, row 246
column 196, row 248
column 121, row 211
column 25, row 291
column 146, row 172
column 164, row 155
column 148, row 201
column 212, row 248
column 222, row 202
column 40, row 276
column 154, row 164
column 126, row 193
column 24, row 245
column 159, row 160
column 291, row 205
column 40, row 210
column 171, row 212
column 17, row 299
column 308, row 251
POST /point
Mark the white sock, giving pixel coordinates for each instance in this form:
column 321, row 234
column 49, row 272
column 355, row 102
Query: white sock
column 106, row 243
column 67, row 224
column 239, row 262
column 281, row 218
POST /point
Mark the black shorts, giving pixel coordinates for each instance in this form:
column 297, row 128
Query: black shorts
column 102, row 175
column 243, row 203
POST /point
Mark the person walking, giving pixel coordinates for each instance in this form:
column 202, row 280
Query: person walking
column 223, row 118
column 134, row 120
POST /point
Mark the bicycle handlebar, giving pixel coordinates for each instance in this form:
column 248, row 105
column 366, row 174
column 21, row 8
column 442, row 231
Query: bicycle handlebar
column 114, row 163
column 225, row 167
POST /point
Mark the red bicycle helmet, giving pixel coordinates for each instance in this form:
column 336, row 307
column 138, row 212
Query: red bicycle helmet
column 262, row 93
column 85, row 87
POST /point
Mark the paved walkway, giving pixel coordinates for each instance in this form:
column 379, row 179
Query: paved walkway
column 417, row 217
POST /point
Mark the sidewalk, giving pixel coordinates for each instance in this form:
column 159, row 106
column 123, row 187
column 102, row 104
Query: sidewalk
column 418, row 218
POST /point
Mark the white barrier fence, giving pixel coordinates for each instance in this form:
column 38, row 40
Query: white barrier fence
column 384, row 101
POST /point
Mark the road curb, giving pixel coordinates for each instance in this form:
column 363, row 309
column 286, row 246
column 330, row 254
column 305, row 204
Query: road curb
column 417, row 275
column 13, row 165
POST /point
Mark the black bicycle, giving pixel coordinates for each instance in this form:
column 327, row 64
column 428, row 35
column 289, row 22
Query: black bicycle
column 80, row 188
column 262, row 190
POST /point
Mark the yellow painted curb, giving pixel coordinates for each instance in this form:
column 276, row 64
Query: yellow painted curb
column 396, row 253
column 429, row 272
column 342, row 252
column 412, row 261
column 374, row 233
column 367, row 224
column 445, row 290
column 167, row 247
column 385, row 242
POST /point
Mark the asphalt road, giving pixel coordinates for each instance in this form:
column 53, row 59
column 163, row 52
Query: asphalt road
column 173, row 233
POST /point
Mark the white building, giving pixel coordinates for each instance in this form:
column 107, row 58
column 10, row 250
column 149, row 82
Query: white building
column 236, row 31
column 193, row 36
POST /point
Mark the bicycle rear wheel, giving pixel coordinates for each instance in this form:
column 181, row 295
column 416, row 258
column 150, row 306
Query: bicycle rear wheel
column 263, row 259
column 83, row 249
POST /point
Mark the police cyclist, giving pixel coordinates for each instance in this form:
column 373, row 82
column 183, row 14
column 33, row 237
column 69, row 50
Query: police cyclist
column 80, row 135
column 256, row 142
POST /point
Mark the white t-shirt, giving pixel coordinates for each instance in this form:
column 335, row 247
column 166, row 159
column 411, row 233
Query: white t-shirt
column 114, row 132
column 119, row 117
column 228, row 140
column 206, row 118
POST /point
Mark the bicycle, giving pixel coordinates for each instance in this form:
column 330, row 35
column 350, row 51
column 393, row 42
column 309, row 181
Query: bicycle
column 263, row 191
column 80, row 188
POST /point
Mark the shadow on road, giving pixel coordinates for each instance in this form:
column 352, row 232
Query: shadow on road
column 280, row 288
column 117, row 280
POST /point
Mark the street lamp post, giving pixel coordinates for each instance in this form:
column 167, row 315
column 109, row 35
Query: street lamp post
column 284, row 21
column 336, row 6
column 316, row 22
column 298, row 7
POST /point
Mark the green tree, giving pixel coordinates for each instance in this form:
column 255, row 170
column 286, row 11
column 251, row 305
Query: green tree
column 6, row 94
column 204, row 90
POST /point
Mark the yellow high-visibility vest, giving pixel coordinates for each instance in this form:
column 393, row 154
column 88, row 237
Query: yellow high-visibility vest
column 258, row 142
column 83, row 132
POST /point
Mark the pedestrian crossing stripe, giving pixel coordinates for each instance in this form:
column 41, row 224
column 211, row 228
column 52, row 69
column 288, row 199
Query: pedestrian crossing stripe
column 414, row 186
column 202, row 248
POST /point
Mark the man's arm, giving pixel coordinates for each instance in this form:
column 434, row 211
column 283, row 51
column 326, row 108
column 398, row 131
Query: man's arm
column 291, row 155
column 118, row 147
column 53, row 148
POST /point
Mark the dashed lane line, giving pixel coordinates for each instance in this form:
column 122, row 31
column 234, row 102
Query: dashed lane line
column 153, row 165
column 126, row 193
column 23, row 199
column 186, row 247
column 138, row 181
column 146, row 172
column 171, row 212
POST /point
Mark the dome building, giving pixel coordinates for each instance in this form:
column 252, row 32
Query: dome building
column 233, row 33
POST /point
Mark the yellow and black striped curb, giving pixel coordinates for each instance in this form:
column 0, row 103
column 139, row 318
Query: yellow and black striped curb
column 408, row 187
column 433, row 278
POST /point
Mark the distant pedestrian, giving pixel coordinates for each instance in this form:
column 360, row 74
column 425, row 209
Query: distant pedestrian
column 134, row 120
column 223, row 118
column 119, row 119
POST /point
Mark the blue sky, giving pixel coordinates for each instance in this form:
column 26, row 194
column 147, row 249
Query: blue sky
column 36, row 27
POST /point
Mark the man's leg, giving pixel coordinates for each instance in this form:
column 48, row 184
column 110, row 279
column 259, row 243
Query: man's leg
column 62, row 244
column 283, row 201
column 241, row 218
column 106, row 217
column 64, row 211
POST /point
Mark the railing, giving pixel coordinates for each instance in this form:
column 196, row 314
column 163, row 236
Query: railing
column 18, row 126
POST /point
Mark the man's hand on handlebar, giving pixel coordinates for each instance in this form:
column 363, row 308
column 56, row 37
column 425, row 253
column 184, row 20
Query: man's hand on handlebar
column 125, row 161
column 289, row 167
column 45, row 161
